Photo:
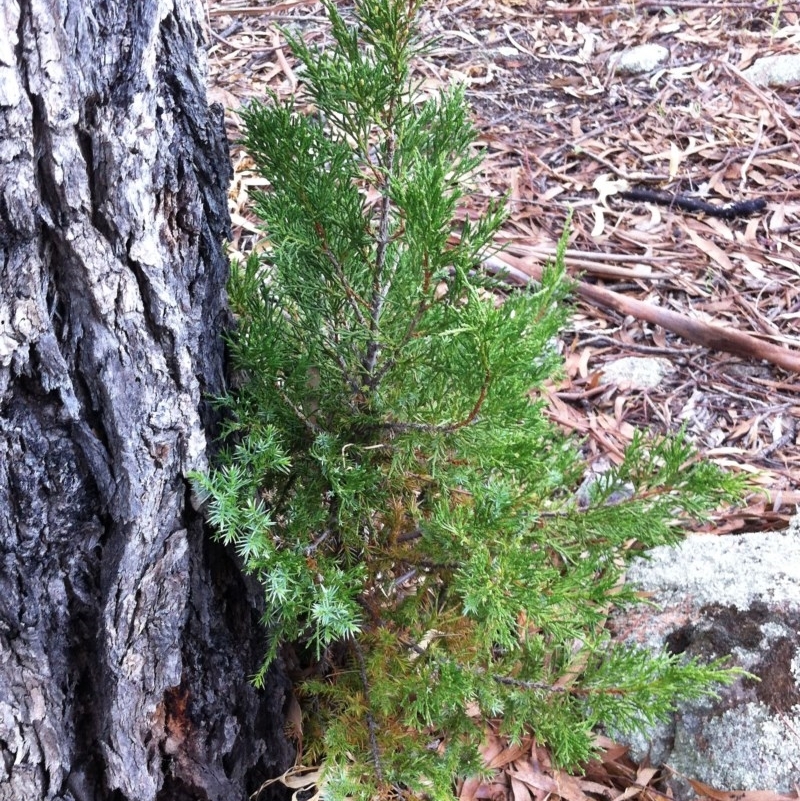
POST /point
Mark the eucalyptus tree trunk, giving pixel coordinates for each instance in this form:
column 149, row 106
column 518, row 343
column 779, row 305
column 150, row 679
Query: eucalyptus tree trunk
column 126, row 638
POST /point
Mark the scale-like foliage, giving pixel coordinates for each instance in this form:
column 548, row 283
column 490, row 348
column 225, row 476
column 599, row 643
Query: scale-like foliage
column 409, row 510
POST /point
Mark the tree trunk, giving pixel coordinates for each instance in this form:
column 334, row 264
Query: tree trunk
column 126, row 638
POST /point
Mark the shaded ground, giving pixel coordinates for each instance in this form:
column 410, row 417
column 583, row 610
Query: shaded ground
column 560, row 129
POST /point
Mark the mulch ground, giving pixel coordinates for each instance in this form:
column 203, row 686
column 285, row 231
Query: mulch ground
column 563, row 132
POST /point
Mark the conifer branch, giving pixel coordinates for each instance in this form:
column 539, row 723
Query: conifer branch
column 355, row 301
column 371, row 723
column 549, row 688
column 473, row 415
column 355, row 388
column 309, row 550
column 307, row 422
column 413, row 324
column 424, row 428
column 380, row 287
column 441, row 428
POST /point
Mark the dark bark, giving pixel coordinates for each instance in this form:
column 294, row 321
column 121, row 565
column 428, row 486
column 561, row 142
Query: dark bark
column 126, row 638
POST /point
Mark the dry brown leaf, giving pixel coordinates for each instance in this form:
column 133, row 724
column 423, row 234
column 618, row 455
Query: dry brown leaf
column 705, row 791
column 521, row 791
column 509, row 754
column 468, row 789
column 560, row 784
column 709, row 248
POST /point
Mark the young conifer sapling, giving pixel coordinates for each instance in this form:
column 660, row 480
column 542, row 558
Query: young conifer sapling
column 391, row 478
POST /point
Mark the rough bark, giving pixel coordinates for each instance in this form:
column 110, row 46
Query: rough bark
column 126, row 638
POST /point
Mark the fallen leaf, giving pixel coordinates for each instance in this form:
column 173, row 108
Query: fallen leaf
column 706, row 791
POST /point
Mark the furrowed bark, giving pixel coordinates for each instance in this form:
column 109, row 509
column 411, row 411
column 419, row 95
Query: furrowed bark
column 126, row 638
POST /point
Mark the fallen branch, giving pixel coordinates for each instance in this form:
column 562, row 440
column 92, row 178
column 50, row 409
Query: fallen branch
column 710, row 336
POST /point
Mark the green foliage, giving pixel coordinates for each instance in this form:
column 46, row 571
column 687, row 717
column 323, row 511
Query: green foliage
column 409, row 510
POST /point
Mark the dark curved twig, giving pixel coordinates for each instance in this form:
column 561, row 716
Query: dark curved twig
column 727, row 211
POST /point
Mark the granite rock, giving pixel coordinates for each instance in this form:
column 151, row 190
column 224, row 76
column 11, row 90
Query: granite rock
column 736, row 596
column 779, row 72
column 641, row 59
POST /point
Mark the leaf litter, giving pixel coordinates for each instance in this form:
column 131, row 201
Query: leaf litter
column 563, row 132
